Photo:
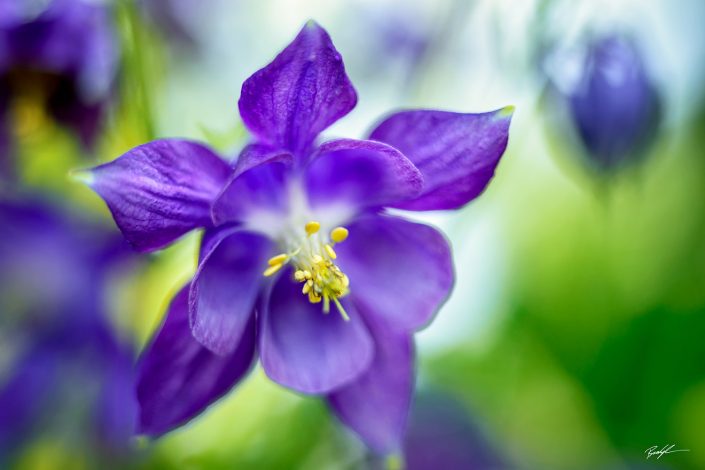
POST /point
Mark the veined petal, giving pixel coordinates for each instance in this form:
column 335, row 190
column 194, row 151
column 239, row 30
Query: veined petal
column 401, row 272
column 456, row 153
column 177, row 378
column 356, row 174
column 306, row 350
column 160, row 190
column 302, row 92
column 376, row 405
column 225, row 287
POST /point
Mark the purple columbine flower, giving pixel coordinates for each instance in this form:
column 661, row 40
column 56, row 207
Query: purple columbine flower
column 70, row 375
column 300, row 260
column 615, row 105
column 57, row 58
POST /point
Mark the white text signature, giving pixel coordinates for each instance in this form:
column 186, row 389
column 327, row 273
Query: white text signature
column 667, row 449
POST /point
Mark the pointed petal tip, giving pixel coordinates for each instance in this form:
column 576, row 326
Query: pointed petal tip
column 507, row 111
column 300, row 93
column 84, row 176
column 312, row 24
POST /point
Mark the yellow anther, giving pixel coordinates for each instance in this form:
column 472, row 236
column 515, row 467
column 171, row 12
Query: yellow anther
column 339, row 234
column 279, row 259
column 314, row 266
column 312, row 227
column 272, row 269
column 330, row 251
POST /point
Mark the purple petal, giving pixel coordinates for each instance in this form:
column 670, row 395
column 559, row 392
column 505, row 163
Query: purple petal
column 360, row 173
column 376, row 405
column 302, row 92
column 399, row 271
column 225, row 288
column 258, row 191
column 177, row 378
column 160, row 190
column 306, row 350
column 258, row 154
column 456, row 153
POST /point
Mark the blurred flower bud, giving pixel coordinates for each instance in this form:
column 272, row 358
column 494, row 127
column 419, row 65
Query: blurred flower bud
column 614, row 105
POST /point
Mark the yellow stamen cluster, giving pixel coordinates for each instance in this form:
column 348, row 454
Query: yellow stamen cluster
column 322, row 280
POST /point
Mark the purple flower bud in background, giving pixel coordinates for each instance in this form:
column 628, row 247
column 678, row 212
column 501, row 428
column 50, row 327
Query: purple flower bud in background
column 614, row 104
column 58, row 60
column 64, row 375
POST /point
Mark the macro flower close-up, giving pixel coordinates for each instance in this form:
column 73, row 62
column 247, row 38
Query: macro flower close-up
column 352, row 235
column 300, row 259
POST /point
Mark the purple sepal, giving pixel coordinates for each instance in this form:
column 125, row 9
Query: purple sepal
column 303, row 91
column 456, row 153
column 177, row 378
column 159, row 191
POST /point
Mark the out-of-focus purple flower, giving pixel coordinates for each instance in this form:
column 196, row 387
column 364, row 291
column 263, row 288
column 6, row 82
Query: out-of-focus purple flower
column 175, row 18
column 295, row 229
column 442, row 434
column 70, row 376
column 614, row 103
column 57, row 58
column 398, row 36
